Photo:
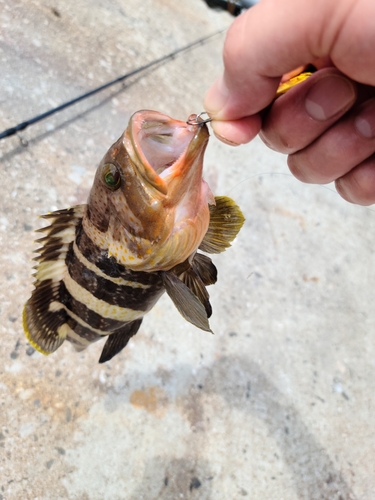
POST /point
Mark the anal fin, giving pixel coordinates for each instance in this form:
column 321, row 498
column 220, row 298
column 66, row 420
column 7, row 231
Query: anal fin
column 205, row 269
column 196, row 285
column 118, row 340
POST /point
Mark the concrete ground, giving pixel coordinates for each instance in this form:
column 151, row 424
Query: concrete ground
column 280, row 402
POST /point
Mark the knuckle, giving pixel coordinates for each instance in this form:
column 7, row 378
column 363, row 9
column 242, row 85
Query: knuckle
column 277, row 141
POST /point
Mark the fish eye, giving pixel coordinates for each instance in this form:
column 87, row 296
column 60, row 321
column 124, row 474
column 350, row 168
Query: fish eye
column 111, row 176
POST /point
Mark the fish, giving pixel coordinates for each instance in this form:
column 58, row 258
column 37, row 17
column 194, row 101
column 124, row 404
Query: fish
column 149, row 221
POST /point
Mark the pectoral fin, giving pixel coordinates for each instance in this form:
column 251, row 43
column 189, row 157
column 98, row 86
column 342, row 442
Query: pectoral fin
column 186, row 301
column 118, row 340
column 226, row 219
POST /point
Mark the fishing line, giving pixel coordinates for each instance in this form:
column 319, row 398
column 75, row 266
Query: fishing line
column 22, row 126
column 273, row 173
column 260, row 174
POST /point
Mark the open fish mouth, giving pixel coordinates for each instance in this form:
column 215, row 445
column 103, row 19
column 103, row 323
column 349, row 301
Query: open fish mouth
column 161, row 145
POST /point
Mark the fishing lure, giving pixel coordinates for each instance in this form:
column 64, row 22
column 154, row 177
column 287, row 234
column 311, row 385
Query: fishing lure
column 292, row 82
column 103, row 265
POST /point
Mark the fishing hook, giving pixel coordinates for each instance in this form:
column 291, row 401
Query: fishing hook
column 197, row 120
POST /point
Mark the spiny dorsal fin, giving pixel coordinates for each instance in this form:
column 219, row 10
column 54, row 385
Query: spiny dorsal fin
column 118, row 340
column 58, row 235
column 226, row 219
column 186, row 302
column 62, row 219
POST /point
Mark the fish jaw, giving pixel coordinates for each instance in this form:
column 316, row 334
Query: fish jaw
column 159, row 215
column 155, row 142
column 169, row 155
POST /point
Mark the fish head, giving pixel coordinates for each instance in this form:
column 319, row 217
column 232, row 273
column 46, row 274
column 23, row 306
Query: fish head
column 149, row 203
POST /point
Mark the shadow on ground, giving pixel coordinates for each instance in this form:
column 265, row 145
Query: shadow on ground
column 243, row 385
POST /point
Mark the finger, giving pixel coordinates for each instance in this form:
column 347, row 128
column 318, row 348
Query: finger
column 238, row 131
column 252, row 75
column 322, row 62
column 273, row 38
column 341, row 148
column 306, row 111
column 358, row 185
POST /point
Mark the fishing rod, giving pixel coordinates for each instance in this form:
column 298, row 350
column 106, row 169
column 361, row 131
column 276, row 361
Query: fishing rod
column 22, row 126
column 234, row 7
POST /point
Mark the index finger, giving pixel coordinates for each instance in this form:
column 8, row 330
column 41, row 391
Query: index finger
column 268, row 40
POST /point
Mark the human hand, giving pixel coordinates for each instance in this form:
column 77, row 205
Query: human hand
column 326, row 124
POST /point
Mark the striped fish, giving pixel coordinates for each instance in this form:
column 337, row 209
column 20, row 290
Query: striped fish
column 102, row 266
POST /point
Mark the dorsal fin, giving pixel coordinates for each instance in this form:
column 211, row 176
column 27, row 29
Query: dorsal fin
column 45, row 327
column 226, row 219
column 118, row 340
column 59, row 233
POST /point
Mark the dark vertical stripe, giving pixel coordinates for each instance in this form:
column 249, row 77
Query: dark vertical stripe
column 139, row 299
column 91, row 318
column 83, row 331
column 109, row 265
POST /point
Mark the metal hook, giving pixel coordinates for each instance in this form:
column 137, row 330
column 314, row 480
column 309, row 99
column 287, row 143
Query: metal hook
column 197, row 120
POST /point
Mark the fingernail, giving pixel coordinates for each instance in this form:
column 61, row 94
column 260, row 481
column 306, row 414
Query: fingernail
column 365, row 121
column 216, row 97
column 329, row 95
column 225, row 140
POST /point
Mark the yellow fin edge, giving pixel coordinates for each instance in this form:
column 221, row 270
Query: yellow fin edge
column 28, row 335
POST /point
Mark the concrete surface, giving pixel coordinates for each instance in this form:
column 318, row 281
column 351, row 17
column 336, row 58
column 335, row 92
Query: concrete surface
column 279, row 403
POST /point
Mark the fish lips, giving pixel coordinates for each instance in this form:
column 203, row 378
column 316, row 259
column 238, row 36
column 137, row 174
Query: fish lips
column 163, row 148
